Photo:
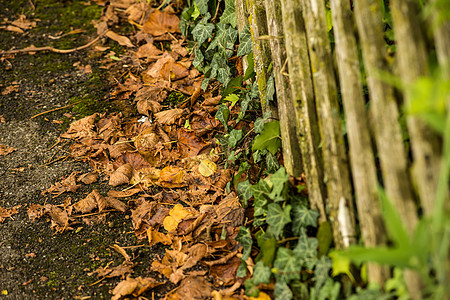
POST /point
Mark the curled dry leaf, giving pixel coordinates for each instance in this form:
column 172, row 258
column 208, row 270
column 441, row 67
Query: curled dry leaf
column 172, row 177
column 170, row 116
column 8, row 212
column 81, row 128
column 88, row 178
column 148, row 51
column 5, row 150
column 67, row 185
column 134, row 286
column 147, row 139
column 121, row 176
column 160, row 22
column 155, row 237
column 116, row 204
column 122, row 40
column 92, row 201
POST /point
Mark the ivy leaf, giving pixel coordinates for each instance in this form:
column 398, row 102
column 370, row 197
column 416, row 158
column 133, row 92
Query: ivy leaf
column 244, row 237
column 234, row 138
column 282, row 291
column 222, row 115
column 279, row 178
column 224, row 74
column 233, row 85
column 244, row 105
column 272, row 163
column 245, row 42
column 205, row 83
column 278, row 217
column 260, row 192
column 261, row 273
column 270, row 89
column 302, row 217
column 321, row 271
column 306, row 249
column 229, row 14
column 202, row 6
column 242, row 270
column 198, row 57
column 287, row 266
column 244, row 189
column 202, row 32
column 269, row 138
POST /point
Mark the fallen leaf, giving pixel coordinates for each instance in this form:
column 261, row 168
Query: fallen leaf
column 207, row 167
column 172, row 177
column 122, row 40
column 155, row 237
column 8, row 212
column 116, row 204
column 170, row 116
column 148, row 51
column 176, row 214
column 66, row 185
column 134, row 286
column 10, row 89
column 121, row 176
column 88, row 178
column 193, row 287
column 92, row 201
column 160, row 22
column 5, row 150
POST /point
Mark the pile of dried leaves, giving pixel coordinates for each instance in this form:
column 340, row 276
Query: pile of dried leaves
column 165, row 165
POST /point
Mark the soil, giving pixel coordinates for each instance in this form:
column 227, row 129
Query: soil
column 36, row 262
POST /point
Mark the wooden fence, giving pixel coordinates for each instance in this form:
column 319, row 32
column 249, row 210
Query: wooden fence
column 319, row 87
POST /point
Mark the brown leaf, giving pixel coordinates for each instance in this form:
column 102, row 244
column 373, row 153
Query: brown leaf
column 88, row 178
column 123, row 194
column 116, row 204
column 160, row 22
column 172, row 71
column 140, row 215
column 8, row 212
column 66, row 185
column 155, row 237
column 170, row 116
column 23, row 23
column 176, row 214
column 172, row 177
column 148, row 51
column 193, row 287
column 226, row 273
column 81, row 128
column 5, row 150
column 121, row 176
column 92, row 201
column 189, row 144
column 35, row 211
column 122, row 40
column 176, row 47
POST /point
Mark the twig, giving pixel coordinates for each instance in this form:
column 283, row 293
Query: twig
column 55, row 160
column 55, row 109
column 94, row 214
column 48, row 48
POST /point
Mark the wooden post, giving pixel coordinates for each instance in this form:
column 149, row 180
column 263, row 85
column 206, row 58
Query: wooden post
column 303, row 99
column 290, row 143
column 362, row 158
column 337, row 176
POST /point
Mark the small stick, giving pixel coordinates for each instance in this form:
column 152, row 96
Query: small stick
column 94, row 214
column 55, row 109
column 35, row 49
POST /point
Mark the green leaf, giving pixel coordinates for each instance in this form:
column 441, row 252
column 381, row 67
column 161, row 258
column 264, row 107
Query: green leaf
column 245, row 42
column 245, row 191
column 341, row 264
column 202, row 32
column 269, row 138
column 234, row 138
column 268, row 248
column 251, row 290
column 306, row 249
column 229, row 14
column 224, row 75
column 202, row 6
column 233, row 85
column 250, row 72
column 278, row 217
column 222, row 115
column 287, row 266
column 260, row 192
column 321, row 271
column 244, row 237
column 244, row 105
column 272, row 163
column 205, row 83
column 278, row 179
column 198, row 57
column 324, row 237
column 233, row 98
column 303, row 217
column 261, row 273
column 242, row 270
column 393, row 222
column 399, row 257
column 282, row 291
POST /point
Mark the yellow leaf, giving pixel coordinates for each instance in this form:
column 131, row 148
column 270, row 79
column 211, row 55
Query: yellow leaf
column 261, row 296
column 176, row 214
column 207, row 167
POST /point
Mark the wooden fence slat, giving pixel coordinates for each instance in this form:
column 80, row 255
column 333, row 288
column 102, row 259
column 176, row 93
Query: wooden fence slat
column 384, row 111
column 337, row 176
column 362, row 158
column 303, row 99
column 425, row 144
column 261, row 49
column 290, row 143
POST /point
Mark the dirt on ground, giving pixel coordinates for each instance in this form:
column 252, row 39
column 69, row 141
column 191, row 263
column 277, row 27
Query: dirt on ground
column 35, row 261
